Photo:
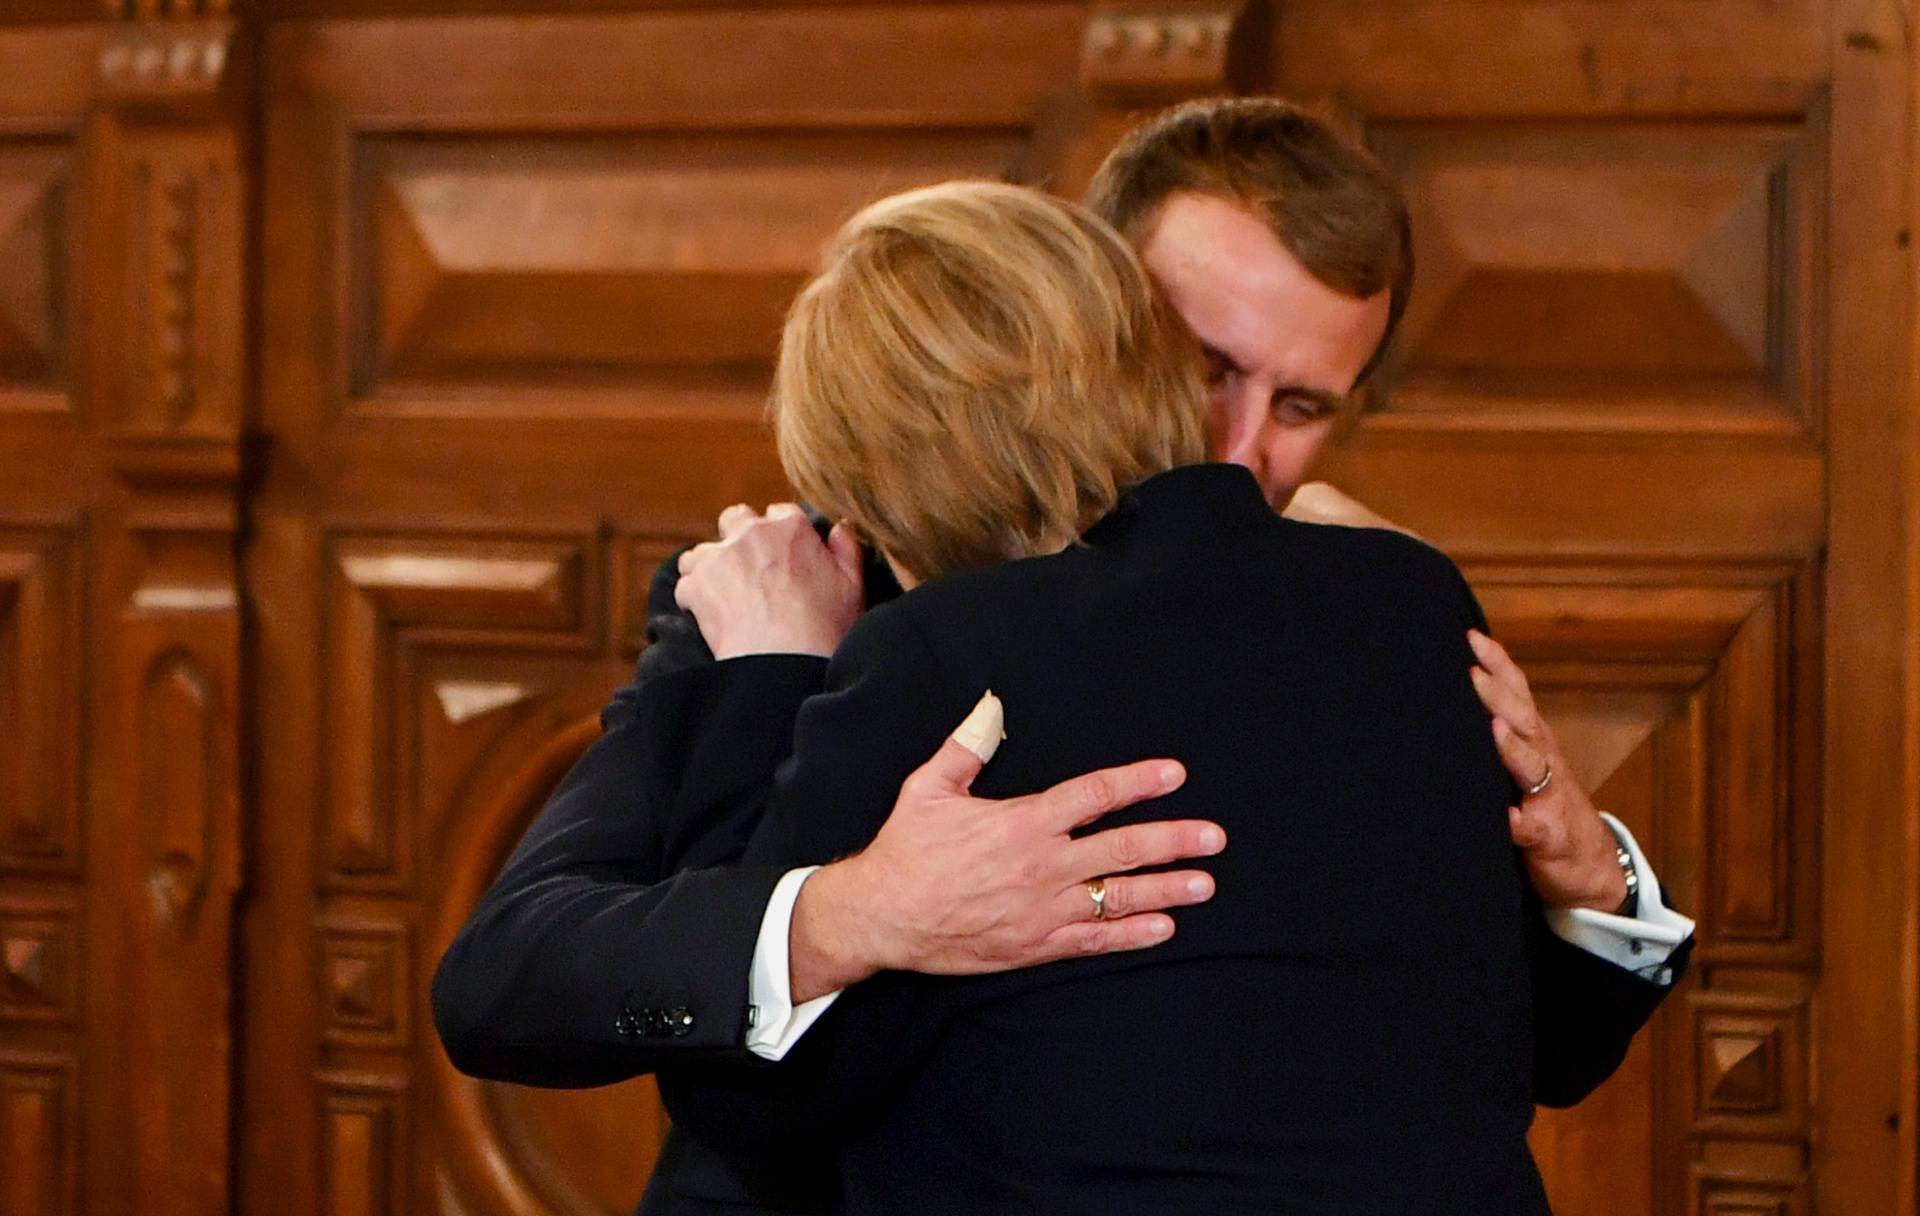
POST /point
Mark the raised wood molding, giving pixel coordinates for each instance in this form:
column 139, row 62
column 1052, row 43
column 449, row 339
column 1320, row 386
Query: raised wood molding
column 365, row 1131
column 1143, row 51
column 41, row 699
column 389, row 595
column 366, row 970
column 1672, row 690
column 167, row 369
column 488, row 1156
column 36, row 275
column 40, row 1133
column 1675, row 288
column 180, row 65
column 40, row 964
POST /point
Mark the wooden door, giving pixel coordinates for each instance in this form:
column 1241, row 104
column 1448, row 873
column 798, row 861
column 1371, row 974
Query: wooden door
column 523, row 280
column 1642, row 397
column 123, row 187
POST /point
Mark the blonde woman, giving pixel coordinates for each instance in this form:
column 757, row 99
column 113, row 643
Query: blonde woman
column 980, row 385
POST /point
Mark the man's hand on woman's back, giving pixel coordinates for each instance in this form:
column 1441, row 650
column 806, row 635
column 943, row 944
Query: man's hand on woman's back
column 959, row 885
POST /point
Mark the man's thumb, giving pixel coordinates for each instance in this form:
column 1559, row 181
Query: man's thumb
column 971, row 745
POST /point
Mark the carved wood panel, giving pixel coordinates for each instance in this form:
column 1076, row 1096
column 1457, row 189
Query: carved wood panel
column 575, row 273
column 40, row 1129
column 36, row 297
column 653, row 257
column 1671, row 690
column 483, row 662
column 386, row 602
column 40, row 702
column 51, row 1068
column 1643, row 503
column 1602, row 276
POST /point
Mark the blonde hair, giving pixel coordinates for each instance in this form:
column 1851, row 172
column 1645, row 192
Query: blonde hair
column 976, row 373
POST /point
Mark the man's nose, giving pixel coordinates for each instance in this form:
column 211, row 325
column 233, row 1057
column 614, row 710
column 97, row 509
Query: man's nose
column 1243, row 428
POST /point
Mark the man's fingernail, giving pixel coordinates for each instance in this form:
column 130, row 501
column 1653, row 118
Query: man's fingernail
column 1212, row 839
column 983, row 728
column 1198, row 887
column 1160, row 927
column 1171, row 775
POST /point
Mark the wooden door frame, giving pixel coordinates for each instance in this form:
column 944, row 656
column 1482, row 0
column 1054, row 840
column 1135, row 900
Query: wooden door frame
column 1867, row 1016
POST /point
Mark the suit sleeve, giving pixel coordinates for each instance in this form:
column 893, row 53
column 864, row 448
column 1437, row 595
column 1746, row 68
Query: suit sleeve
column 674, row 641
column 620, row 933
column 1586, row 1010
column 887, row 707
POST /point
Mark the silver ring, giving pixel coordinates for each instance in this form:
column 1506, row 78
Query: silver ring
column 1097, row 890
column 1540, row 787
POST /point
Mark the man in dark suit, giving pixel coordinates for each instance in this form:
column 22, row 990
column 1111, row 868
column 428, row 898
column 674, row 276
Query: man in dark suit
column 1285, row 250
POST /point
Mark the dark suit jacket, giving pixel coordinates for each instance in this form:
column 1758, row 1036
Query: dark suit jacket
column 610, row 944
column 582, row 964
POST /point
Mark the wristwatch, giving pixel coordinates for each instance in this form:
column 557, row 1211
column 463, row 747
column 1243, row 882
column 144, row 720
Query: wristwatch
column 1631, row 905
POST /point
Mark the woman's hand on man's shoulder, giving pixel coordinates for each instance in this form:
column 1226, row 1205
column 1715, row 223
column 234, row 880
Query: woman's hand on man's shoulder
column 770, row 585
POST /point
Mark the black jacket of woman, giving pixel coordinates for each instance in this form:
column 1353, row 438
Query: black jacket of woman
column 1344, row 1028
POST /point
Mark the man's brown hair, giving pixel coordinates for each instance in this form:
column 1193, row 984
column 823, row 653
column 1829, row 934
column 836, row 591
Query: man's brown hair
column 1327, row 200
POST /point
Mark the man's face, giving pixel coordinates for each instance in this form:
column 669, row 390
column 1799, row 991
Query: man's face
column 1283, row 349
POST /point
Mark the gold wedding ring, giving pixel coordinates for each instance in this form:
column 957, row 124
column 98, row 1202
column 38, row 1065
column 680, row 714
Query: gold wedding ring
column 1097, row 890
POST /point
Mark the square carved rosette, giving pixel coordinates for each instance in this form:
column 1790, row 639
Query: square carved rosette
column 366, row 968
column 40, row 955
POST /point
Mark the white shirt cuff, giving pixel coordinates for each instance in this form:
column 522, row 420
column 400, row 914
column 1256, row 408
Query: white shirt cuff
column 1641, row 944
column 774, row 1023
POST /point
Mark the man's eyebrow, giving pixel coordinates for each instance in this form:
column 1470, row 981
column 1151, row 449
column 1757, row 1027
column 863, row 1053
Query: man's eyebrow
column 1213, row 352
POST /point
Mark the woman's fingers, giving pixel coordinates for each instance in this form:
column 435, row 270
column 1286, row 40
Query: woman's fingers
column 735, row 519
column 845, row 548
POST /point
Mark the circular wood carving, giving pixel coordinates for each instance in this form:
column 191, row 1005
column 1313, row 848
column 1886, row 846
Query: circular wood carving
column 514, row 1149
